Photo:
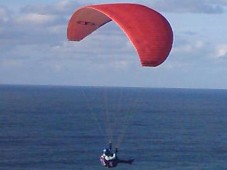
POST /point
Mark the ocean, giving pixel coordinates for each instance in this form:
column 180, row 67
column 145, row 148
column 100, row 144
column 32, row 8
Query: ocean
column 66, row 128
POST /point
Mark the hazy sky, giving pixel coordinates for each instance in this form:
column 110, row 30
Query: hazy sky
column 34, row 47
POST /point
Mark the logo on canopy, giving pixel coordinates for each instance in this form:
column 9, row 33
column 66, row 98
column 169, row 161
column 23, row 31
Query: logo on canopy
column 86, row 23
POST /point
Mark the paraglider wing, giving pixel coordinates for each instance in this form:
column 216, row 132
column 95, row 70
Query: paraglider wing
column 149, row 31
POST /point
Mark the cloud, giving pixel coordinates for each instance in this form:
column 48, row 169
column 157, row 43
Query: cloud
column 189, row 46
column 190, row 6
column 221, row 51
column 31, row 27
column 35, row 18
column 4, row 15
column 38, row 33
column 63, row 7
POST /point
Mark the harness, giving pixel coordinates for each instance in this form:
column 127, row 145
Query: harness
column 108, row 163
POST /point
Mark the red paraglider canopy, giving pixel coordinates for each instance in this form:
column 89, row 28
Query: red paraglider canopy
column 149, row 31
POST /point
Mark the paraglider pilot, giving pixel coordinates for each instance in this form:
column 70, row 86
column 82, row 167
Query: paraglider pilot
column 110, row 159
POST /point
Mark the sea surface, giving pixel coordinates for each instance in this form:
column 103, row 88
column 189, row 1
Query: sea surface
column 66, row 128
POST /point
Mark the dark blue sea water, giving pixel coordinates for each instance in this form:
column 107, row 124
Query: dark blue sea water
column 66, row 128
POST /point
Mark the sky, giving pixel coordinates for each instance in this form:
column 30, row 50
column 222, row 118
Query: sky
column 34, row 48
